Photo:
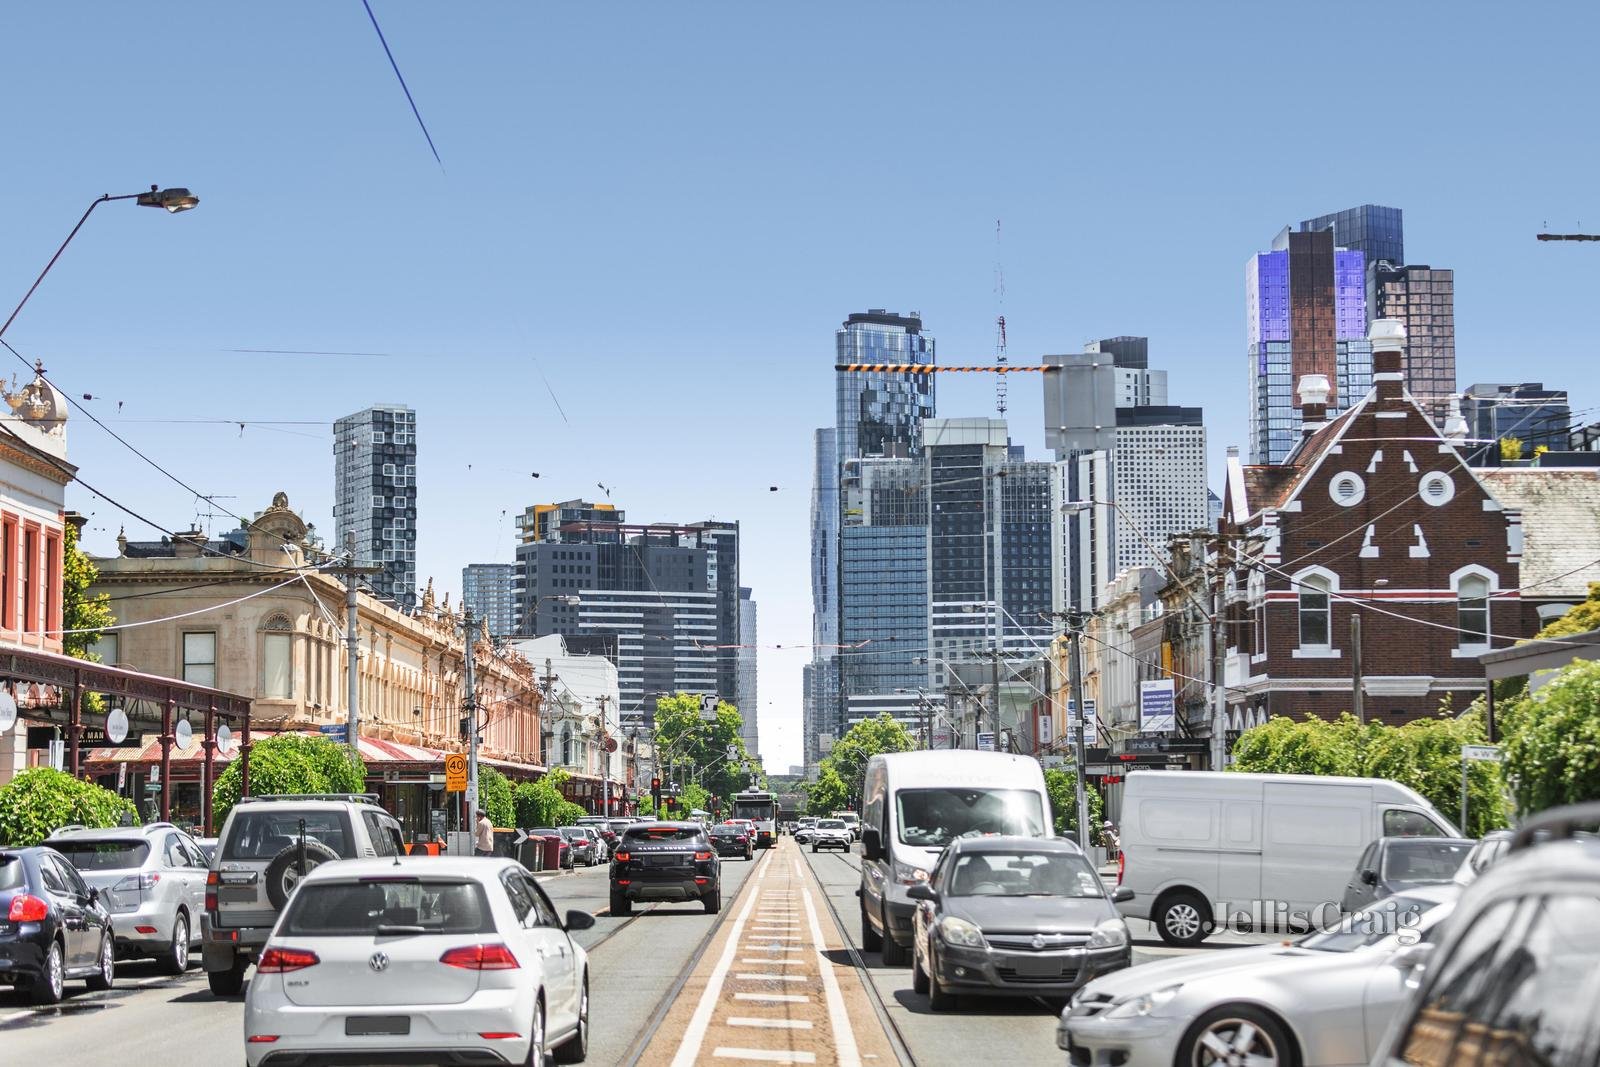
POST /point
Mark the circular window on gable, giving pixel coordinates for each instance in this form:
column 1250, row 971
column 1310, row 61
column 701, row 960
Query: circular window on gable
column 1347, row 489
column 1437, row 488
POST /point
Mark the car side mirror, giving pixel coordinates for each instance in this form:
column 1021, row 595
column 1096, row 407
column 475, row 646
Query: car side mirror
column 579, row 920
column 872, row 843
column 1369, row 876
column 1412, row 956
column 1121, row 895
column 94, row 895
column 923, row 891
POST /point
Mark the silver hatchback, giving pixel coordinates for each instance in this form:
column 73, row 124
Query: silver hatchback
column 152, row 879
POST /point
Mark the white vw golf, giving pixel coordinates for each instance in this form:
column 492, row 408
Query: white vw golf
column 426, row 959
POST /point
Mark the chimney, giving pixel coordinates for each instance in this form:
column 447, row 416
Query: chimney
column 1388, row 337
column 1313, row 391
column 1455, row 424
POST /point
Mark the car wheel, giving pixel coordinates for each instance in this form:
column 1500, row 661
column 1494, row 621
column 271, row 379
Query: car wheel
column 871, row 940
column 620, row 904
column 1181, row 919
column 1237, row 1034
column 813, row 850
column 284, row 872
column 713, row 902
column 919, row 977
column 228, row 983
column 47, row 987
column 176, row 959
column 893, row 954
column 536, row 1035
column 101, row 980
column 576, row 1048
column 939, row 998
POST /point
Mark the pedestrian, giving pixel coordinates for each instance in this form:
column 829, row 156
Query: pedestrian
column 483, row 838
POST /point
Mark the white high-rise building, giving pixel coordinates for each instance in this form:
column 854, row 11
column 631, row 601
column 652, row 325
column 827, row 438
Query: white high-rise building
column 749, row 698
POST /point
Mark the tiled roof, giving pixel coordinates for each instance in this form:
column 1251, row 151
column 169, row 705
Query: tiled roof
column 1560, row 525
column 1270, row 486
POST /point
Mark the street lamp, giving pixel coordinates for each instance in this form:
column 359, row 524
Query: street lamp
column 174, row 200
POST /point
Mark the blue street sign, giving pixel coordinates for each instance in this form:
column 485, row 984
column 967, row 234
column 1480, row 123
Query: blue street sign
column 337, row 731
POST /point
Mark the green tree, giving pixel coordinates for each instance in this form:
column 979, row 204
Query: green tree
column 1300, row 746
column 1552, row 740
column 495, row 797
column 682, row 739
column 539, row 803
column 828, row 794
column 89, row 615
column 1579, row 619
column 39, row 800
column 290, row 763
column 864, row 740
column 1062, row 788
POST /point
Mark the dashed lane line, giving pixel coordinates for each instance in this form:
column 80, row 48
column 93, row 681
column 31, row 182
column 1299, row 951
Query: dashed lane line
column 764, row 1055
column 770, row 1024
column 838, row 1018
column 689, row 1047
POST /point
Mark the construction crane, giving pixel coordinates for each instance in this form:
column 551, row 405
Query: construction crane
column 1568, row 236
column 941, row 368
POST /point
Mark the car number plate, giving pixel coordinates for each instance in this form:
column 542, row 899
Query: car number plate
column 1036, row 968
column 238, row 878
column 670, row 860
column 377, row 1025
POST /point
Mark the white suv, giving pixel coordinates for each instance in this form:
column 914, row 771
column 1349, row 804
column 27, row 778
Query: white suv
column 267, row 845
column 152, row 879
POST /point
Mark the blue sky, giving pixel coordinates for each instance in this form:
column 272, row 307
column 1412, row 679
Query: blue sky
column 668, row 209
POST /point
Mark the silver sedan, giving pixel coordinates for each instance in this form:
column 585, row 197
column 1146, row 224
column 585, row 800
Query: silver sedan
column 1322, row 1001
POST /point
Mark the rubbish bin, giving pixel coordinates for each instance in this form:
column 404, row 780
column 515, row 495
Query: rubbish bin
column 552, row 851
column 530, row 853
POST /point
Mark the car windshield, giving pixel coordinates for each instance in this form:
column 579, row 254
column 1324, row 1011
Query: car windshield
column 1371, row 924
column 103, row 855
column 265, row 832
column 383, row 905
column 932, row 818
column 10, row 872
column 727, row 831
column 831, row 824
column 1420, row 860
column 663, row 833
column 1023, row 874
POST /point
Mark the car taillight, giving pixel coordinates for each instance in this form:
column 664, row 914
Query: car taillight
column 480, row 958
column 27, row 909
column 703, row 856
column 1122, row 864
column 213, row 879
column 284, row 960
column 137, row 883
column 621, row 857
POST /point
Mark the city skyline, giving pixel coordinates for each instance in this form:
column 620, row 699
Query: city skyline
column 638, row 299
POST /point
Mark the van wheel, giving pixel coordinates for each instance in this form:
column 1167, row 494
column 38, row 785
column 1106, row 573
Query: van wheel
column 1181, row 919
column 894, row 955
column 871, row 940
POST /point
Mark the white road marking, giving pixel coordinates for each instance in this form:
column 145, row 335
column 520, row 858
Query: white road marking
column 774, row 937
column 773, row 998
column 752, row 977
column 770, row 1024
column 771, row 961
column 689, row 1047
column 764, row 1055
column 844, row 1038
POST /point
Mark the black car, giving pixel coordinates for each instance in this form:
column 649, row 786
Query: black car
column 665, row 861
column 1392, row 865
column 52, row 926
column 732, row 840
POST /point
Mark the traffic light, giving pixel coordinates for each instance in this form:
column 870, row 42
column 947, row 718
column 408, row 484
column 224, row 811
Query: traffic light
column 655, row 795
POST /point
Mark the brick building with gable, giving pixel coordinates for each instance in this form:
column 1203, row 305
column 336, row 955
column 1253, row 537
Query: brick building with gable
column 1375, row 514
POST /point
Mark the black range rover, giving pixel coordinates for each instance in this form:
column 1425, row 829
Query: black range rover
column 665, row 861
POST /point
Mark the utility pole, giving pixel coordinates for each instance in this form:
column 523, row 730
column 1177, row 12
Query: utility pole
column 605, row 760
column 350, row 572
column 472, row 713
column 1075, row 630
column 1357, row 699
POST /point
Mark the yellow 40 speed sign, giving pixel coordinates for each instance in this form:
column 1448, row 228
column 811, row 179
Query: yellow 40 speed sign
column 455, row 773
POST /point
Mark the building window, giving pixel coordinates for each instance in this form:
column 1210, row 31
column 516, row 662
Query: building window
column 1316, row 626
column 8, row 589
column 1472, row 610
column 28, row 585
column 275, row 661
column 52, row 582
column 200, row 658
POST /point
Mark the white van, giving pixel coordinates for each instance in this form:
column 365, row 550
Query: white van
column 1202, row 849
column 916, row 803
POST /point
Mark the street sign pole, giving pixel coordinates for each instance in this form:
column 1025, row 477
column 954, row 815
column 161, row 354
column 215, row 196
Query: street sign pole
column 1075, row 627
column 1463, row 826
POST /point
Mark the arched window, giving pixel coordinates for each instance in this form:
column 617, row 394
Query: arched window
column 1316, row 623
column 276, row 658
column 1472, row 611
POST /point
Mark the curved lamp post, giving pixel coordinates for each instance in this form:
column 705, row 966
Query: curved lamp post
column 173, row 200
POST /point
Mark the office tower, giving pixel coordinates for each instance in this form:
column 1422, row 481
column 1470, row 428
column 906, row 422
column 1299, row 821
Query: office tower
column 1529, row 412
column 375, row 496
column 1378, row 233
column 722, row 538
column 543, row 595
column 1423, row 298
column 877, row 413
column 749, row 697
column 883, row 580
column 486, row 589
column 1306, row 314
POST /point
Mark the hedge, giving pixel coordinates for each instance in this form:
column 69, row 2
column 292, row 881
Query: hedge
column 39, row 800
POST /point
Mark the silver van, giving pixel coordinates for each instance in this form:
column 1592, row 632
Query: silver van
column 152, row 879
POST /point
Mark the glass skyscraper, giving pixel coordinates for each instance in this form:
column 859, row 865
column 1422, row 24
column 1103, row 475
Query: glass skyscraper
column 1378, row 233
column 1305, row 313
column 375, row 496
column 1424, row 298
column 486, row 588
